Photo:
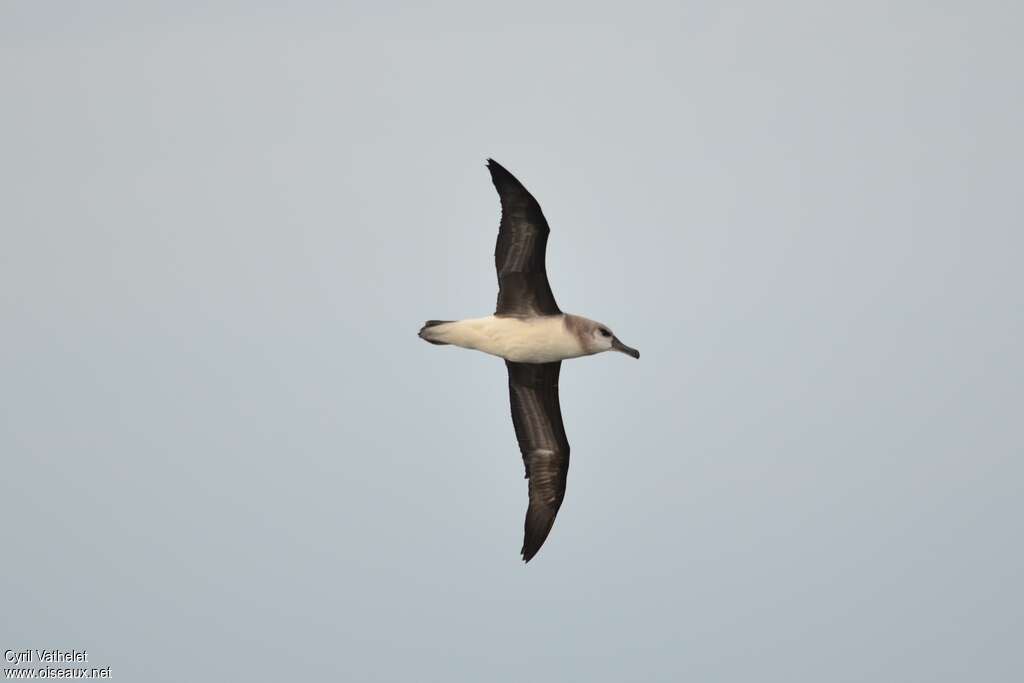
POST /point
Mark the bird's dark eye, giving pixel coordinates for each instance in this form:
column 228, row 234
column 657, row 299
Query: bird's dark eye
column 605, row 333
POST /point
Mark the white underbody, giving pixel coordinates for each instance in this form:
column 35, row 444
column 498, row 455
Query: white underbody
column 543, row 339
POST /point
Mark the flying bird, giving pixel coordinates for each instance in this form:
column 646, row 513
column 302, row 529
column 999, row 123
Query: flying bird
column 534, row 336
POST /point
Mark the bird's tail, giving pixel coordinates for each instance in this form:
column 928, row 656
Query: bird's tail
column 426, row 334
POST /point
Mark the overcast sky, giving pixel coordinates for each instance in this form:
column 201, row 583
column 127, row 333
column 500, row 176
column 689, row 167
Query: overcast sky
column 227, row 456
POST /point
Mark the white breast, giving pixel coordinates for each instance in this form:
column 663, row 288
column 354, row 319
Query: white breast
column 542, row 339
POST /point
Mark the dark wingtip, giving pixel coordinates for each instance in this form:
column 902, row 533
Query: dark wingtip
column 538, row 524
column 508, row 185
column 499, row 172
column 528, row 554
column 531, row 546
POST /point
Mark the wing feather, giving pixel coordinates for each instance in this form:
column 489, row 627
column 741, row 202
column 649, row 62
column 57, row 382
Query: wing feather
column 519, row 254
column 537, row 417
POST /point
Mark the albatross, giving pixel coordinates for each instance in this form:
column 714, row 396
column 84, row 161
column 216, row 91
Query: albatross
column 533, row 336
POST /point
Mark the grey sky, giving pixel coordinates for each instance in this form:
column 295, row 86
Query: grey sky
column 226, row 454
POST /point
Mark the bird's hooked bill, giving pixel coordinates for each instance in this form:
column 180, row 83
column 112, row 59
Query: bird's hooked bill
column 628, row 350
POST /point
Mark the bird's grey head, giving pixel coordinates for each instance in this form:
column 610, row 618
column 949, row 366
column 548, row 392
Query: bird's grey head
column 597, row 337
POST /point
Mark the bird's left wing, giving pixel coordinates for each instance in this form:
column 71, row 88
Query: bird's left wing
column 537, row 416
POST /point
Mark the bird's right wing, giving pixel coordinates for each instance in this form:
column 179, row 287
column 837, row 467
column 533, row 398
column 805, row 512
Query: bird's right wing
column 523, row 287
column 537, row 416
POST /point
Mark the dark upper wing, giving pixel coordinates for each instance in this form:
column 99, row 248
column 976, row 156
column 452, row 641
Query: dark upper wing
column 533, row 390
column 523, row 287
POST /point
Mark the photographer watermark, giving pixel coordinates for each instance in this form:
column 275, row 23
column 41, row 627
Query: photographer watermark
column 47, row 664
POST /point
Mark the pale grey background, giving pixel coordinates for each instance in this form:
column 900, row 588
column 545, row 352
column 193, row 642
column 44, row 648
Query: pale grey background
column 226, row 454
